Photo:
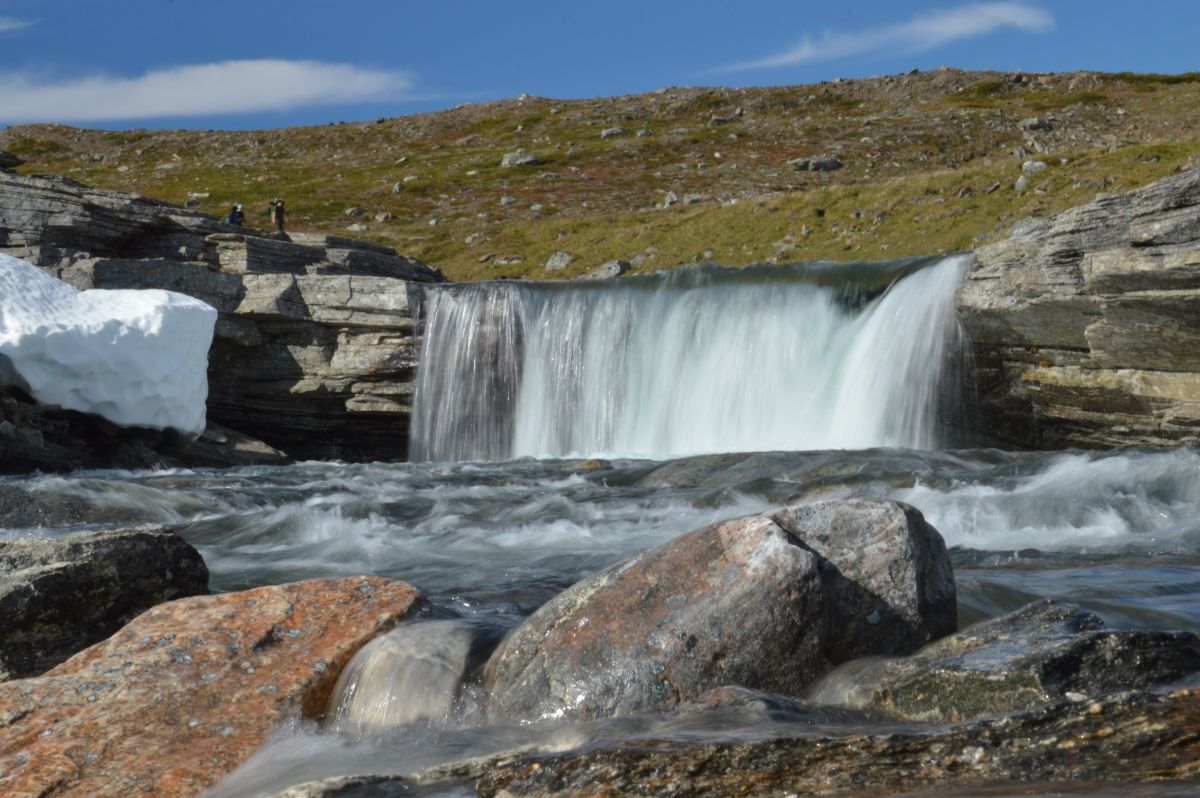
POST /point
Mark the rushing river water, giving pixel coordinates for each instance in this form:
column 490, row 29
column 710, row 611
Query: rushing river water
column 855, row 377
column 1116, row 532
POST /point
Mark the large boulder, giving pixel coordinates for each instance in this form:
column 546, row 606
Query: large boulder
column 1045, row 652
column 1086, row 325
column 316, row 343
column 61, row 595
column 768, row 602
column 189, row 689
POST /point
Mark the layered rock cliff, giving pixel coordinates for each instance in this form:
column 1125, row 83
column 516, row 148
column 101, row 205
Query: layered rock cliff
column 315, row 348
column 1086, row 325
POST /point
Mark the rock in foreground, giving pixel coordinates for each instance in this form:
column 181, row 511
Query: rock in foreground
column 768, row 602
column 1044, row 652
column 189, row 689
column 1126, row 738
column 60, row 595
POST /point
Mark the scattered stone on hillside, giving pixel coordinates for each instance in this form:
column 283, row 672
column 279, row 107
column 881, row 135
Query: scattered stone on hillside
column 768, row 602
column 519, row 158
column 612, row 132
column 1036, row 123
column 992, row 188
column 1033, row 167
column 693, row 199
column 60, row 595
column 9, row 161
column 670, row 199
column 1021, row 183
column 609, row 270
column 353, row 211
column 644, row 133
column 1095, row 746
column 189, row 689
column 1047, row 651
column 384, row 217
column 717, row 121
column 820, row 163
column 357, row 227
column 508, row 199
column 559, row 260
column 398, row 187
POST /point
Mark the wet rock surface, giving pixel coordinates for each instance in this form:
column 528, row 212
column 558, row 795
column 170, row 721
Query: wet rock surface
column 60, row 595
column 767, row 602
column 189, row 689
column 315, row 348
column 1048, row 651
column 1085, row 325
column 1129, row 737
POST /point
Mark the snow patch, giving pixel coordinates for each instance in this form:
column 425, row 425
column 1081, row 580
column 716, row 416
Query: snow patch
column 136, row 358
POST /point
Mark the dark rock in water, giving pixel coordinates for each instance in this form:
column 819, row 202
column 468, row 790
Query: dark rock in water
column 60, row 595
column 1128, row 738
column 769, row 602
column 1044, row 652
column 1085, row 324
column 189, row 689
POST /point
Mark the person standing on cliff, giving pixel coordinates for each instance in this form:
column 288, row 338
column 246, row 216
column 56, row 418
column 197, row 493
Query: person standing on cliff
column 278, row 214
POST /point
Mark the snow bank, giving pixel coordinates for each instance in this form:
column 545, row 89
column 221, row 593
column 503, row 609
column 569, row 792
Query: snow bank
column 136, row 358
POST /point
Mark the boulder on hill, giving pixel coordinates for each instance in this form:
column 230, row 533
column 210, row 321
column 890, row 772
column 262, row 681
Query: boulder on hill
column 769, row 602
column 189, row 689
column 60, row 595
column 9, row 161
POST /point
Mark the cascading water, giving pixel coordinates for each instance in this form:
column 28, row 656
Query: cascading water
column 700, row 360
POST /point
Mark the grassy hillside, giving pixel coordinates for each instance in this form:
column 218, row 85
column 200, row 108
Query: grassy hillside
column 931, row 160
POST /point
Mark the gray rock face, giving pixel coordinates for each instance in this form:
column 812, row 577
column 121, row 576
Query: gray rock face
column 767, row 602
column 519, row 158
column 315, row 348
column 821, row 163
column 1086, row 325
column 1048, row 651
column 61, row 595
column 607, row 271
column 558, row 261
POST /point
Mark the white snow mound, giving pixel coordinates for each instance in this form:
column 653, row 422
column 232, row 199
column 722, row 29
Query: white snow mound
column 136, row 358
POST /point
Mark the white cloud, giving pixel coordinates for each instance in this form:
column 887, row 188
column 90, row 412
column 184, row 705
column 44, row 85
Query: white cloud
column 9, row 23
column 228, row 87
column 915, row 36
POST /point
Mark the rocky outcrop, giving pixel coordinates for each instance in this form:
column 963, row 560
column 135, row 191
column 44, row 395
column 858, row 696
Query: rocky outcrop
column 60, row 595
column 315, row 349
column 768, row 602
column 1045, row 652
column 1130, row 737
column 1086, row 325
column 189, row 689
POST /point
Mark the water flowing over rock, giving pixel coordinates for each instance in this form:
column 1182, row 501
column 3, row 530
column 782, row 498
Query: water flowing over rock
column 692, row 361
column 1085, row 325
column 768, row 602
column 60, row 595
column 1131, row 737
column 315, row 347
column 1048, row 651
column 189, row 689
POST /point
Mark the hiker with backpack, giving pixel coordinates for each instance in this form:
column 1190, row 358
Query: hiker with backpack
column 236, row 216
column 278, row 214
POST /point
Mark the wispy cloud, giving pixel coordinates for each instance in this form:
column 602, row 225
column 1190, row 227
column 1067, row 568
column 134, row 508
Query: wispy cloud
column 10, row 23
column 228, row 87
column 917, row 35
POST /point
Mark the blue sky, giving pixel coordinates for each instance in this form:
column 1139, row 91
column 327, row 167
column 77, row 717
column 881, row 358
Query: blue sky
column 270, row 63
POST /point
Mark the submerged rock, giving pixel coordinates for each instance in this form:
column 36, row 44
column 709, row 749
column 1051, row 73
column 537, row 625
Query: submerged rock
column 60, row 595
column 189, row 689
column 1130, row 737
column 769, row 602
column 1047, row 651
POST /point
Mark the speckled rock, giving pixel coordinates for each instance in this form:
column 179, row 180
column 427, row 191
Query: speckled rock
column 189, row 689
column 767, row 602
column 60, row 595
column 1132, row 737
column 1041, row 653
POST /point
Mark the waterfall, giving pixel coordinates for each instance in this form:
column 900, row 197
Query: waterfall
column 692, row 361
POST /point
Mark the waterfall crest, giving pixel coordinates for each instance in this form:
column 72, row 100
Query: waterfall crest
column 693, row 361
